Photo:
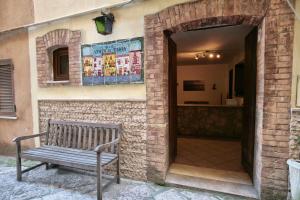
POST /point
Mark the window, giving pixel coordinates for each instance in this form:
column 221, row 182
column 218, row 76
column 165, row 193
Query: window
column 7, row 97
column 61, row 64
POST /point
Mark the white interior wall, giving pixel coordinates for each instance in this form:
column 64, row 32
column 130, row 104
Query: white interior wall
column 210, row 74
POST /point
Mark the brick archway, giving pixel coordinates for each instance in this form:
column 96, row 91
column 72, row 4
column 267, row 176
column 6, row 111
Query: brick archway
column 204, row 13
column 51, row 41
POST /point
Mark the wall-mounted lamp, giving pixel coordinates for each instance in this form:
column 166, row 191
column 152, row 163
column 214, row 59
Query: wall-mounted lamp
column 104, row 23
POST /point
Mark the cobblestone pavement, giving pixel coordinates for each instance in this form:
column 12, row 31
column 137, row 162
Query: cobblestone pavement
column 59, row 184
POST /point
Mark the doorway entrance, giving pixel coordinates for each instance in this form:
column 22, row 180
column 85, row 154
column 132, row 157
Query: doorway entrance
column 212, row 104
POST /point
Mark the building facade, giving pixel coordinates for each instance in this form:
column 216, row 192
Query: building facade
column 143, row 107
column 14, row 50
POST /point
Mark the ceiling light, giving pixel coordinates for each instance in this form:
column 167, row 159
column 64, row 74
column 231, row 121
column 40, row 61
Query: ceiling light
column 207, row 54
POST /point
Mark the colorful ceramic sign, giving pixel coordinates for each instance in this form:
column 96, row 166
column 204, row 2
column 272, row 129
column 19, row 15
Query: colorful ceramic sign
column 113, row 62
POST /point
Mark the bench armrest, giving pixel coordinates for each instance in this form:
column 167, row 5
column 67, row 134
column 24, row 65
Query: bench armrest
column 102, row 147
column 18, row 139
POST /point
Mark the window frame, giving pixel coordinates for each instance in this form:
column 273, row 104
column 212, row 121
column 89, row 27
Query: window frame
column 57, row 53
column 12, row 114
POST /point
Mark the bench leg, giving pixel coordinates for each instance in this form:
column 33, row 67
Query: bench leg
column 118, row 171
column 51, row 166
column 18, row 162
column 47, row 166
column 99, row 177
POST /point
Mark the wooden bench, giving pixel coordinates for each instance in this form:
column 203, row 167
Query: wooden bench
column 79, row 145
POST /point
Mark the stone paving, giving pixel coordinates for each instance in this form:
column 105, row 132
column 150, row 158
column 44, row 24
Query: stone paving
column 59, row 184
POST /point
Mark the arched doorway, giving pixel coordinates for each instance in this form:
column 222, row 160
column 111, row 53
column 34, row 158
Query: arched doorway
column 192, row 16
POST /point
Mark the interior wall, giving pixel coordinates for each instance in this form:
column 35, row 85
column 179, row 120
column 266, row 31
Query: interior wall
column 210, row 74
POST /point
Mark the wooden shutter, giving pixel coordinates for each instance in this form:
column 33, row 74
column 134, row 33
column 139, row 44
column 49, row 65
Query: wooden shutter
column 7, row 99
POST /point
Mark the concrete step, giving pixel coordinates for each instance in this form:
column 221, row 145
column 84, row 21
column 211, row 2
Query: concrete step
column 211, row 180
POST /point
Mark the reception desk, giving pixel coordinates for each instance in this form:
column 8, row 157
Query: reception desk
column 209, row 120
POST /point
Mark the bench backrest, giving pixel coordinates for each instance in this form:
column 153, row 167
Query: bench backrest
column 81, row 135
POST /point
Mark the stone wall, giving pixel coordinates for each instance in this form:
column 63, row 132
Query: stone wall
column 132, row 114
column 295, row 133
column 211, row 121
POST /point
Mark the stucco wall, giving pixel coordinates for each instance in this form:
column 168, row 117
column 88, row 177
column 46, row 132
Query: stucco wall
column 129, row 23
column 15, row 13
column 66, row 7
column 15, row 46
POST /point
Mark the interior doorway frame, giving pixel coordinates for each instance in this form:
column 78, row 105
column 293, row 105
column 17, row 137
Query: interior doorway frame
column 249, row 110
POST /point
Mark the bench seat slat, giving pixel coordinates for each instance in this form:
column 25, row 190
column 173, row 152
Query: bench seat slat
column 68, row 157
column 87, row 154
column 82, row 160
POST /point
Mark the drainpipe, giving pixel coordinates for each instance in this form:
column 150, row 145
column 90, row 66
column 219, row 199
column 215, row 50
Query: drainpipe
column 70, row 15
column 293, row 9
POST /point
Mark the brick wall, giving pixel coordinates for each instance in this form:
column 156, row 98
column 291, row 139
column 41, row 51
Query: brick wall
column 132, row 114
column 46, row 44
column 274, row 81
column 181, row 17
column 277, row 98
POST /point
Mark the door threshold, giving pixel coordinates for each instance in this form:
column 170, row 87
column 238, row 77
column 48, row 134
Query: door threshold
column 221, row 181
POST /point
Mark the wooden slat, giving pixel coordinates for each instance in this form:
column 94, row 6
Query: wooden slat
column 47, row 133
column 51, row 134
column 69, row 135
column 65, row 135
column 90, row 138
column 69, row 155
column 112, row 148
column 55, row 132
column 101, row 138
column 79, row 141
column 75, row 151
column 59, row 162
column 107, row 136
column 95, row 137
column 59, row 140
column 84, row 137
column 74, row 136
column 107, row 157
column 99, row 125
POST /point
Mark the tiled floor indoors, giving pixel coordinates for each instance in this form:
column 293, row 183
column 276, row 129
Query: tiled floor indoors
column 209, row 153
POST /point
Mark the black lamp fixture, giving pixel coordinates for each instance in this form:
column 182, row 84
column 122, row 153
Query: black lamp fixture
column 104, row 23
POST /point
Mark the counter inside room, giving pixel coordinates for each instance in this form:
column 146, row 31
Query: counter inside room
column 210, row 99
